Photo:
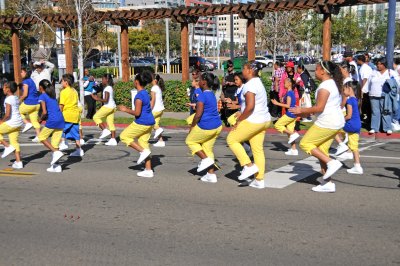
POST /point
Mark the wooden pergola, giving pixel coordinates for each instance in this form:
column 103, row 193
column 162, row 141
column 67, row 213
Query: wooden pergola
column 182, row 15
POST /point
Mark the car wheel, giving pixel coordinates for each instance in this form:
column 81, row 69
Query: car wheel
column 269, row 64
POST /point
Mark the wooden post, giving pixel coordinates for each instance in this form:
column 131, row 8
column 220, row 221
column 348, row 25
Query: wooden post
column 185, row 50
column 125, row 53
column 251, row 39
column 16, row 51
column 68, row 51
column 326, row 37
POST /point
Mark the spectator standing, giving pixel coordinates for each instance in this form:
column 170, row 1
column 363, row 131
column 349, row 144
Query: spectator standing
column 43, row 70
column 348, row 56
column 229, row 89
column 275, row 110
column 368, row 61
column 88, row 85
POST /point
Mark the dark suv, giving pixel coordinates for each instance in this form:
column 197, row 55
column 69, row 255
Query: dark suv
column 195, row 62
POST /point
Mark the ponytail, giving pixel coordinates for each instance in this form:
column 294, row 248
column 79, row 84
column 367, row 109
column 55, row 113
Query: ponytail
column 160, row 81
column 334, row 71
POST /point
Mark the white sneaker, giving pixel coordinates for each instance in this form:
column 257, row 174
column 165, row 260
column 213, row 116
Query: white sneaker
column 143, row 155
column 111, row 142
column 371, row 131
column 17, row 165
column 27, row 127
column 82, row 142
column 257, row 184
column 63, row 146
column 105, row 133
column 396, row 126
column 341, row 148
column 7, row 151
column 210, row 178
column 389, row 132
column 204, row 164
column 158, row 132
column 55, row 168
column 357, row 170
column 293, row 137
column 248, row 171
column 35, row 140
column 333, row 166
column 56, row 156
column 292, row 152
column 146, row 173
column 345, row 156
column 306, row 120
column 346, row 138
column 159, row 144
column 325, row 187
column 77, row 153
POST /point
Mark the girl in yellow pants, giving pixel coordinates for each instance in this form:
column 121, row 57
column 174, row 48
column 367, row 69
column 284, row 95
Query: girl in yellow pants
column 157, row 107
column 251, row 123
column 206, row 127
column 287, row 122
column 142, row 126
column 330, row 121
column 11, row 124
column 29, row 100
column 106, row 111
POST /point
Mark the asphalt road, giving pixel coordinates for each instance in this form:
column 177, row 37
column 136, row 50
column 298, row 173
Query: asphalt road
column 98, row 212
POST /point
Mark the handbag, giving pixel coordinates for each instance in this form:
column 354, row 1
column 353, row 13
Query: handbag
column 305, row 100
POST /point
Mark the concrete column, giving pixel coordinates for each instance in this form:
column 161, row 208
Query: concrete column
column 68, row 51
column 326, row 37
column 16, row 51
column 251, row 39
column 125, row 53
column 185, row 51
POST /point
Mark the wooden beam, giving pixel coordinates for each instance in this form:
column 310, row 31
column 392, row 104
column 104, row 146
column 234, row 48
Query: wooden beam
column 326, row 37
column 125, row 53
column 16, row 51
column 68, row 51
column 251, row 39
column 185, row 51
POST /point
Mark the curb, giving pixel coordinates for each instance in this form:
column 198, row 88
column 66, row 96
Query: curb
column 272, row 131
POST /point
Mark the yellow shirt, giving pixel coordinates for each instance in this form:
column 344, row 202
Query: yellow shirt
column 69, row 98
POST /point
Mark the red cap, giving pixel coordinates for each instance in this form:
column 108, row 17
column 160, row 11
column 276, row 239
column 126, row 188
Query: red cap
column 290, row 64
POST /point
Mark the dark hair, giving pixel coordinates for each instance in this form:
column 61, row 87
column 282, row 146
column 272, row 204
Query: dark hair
column 367, row 55
column 28, row 73
column 303, row 67
column 240, row 76
column 396, row 60
column 160, row 81
column 12, row 85
column 355, row 86
column 195, row 71
column 69, row 78
column 291, row 82
column 383, row 61
column 211, row 79
column 229, row 63
column 48, row 88
column 345, row 64
column 109, row 79
column 255, row 66
column 334, row 71
column 361, row 58
column 144, row 78
column 278, row 63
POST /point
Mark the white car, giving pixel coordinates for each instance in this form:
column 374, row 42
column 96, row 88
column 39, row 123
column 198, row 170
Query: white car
column 266, row 60
column 396, row 52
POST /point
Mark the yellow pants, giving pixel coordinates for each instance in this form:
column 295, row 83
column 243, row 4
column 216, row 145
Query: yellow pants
column 189, row 120
column 255, row 134
column 55, row 138
column 13, row 134
column 32, row 111
column 354, row 138
column 232, row 119
column 136, row 131
column 105, row 112
column 317, row 137
column 203, row 140
column 285, row 122
column 157, row 117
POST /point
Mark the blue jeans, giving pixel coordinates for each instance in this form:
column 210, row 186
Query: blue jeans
column 377, row 115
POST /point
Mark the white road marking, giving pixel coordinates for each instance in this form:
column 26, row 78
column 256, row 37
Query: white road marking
column 380, row 157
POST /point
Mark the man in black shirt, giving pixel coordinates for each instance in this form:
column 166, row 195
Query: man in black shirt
column 229, row 89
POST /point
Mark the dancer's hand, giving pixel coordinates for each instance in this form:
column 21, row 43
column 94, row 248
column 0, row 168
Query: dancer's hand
column 295, row 110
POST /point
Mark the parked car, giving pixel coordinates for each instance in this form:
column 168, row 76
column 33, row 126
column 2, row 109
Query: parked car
column 104, row 61
column 280, row 58
column 139, row 63
column 265, row 60
column 210, row 65
column 195, row 62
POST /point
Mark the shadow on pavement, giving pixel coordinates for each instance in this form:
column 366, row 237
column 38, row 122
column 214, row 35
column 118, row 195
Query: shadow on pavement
column 39, row 155
column 279, row 146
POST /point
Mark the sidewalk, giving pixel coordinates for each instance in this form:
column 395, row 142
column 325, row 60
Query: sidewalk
column 175, row 115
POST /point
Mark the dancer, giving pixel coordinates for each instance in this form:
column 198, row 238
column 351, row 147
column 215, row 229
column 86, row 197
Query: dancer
column 11, row 124
column 251, row 124
column 29, row 104
column 70, row 110
column 352, row 90
column 89, row 83
column 287, row 122
column 157, row 106
column 194, row 94
column 141, row 128
column 107, row 111
column 206, row 127
column 330, row 121
column 54, row 123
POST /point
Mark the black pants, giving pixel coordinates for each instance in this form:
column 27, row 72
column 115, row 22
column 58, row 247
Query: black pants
column 366, row 110
column 91, row 106
column 274, row 110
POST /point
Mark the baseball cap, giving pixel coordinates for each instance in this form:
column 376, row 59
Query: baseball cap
column 290, row 64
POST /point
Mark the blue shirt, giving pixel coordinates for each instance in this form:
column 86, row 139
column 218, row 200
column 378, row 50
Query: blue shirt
column 210, row 117
column 89, row 87
column 292, row 97
column 55, row 119
column 193, row 98
column 146, row 117
column 33, row 94
column 353, row 125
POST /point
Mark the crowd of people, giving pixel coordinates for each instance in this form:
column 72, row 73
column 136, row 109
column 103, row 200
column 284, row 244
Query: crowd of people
column 243, row 105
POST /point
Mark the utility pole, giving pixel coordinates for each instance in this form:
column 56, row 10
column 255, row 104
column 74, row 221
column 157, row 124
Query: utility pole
column 167, row 40
column 391, row 32
column 232, row 44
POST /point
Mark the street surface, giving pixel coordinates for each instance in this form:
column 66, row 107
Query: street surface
column 98, row 212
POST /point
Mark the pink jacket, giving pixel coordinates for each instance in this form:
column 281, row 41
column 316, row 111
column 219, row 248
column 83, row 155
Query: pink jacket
column 282, row 90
